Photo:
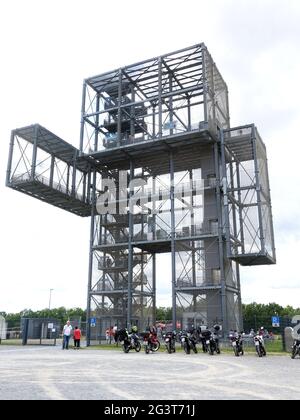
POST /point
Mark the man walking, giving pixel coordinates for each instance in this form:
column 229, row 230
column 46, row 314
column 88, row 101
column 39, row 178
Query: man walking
column 66, row 335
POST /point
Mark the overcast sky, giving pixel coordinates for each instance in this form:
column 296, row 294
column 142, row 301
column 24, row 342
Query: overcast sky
column 49, row 47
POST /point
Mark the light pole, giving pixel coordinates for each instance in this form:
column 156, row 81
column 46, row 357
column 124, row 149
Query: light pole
column 50, row 298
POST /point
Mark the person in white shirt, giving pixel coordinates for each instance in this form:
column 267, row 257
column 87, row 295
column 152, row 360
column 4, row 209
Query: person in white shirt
column 67, row 330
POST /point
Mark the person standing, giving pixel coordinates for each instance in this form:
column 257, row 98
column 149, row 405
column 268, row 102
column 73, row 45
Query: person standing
column 107, row 335
column 77, row 336
column 115, row 330
column 67, row 330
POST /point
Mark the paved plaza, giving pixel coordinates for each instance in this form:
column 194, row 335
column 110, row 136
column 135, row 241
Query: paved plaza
column 35, row 372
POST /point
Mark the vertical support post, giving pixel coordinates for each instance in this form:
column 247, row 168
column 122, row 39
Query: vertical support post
column 130, row 248
column 204, row 78
column 257, row 186
column 171, row 104
column 193, row 234
column 68, row 178
column 91, row 254
column 25, row 331
column 240, row 308
column 227, row 109
column 189, row 114
column 73, row 188
column 173, row 248
column 34, row 152
column 81, row 146
column 132, row 114
column 52, row 170
column 84, row 187
column 142, row 320
column 88, row 194
column 223, row 183
column 97, row 122
column 153, row 226
column 270, row 212
column 154, row 287
column 232, row 186
column 241, row 221
column 220, row 239
column 159, row 97
column 153, row 122
column 119, row 124
column 10, row 157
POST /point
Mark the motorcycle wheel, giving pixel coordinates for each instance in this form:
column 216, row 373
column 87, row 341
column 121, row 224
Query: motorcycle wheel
column 169, row 348
column 218, row 351
column 186, row 349
column 126, row 348
column 156, row 346
column 195, row 350
column 137, row 347
column 147, row 349
column 236, row 352
column 293, row 354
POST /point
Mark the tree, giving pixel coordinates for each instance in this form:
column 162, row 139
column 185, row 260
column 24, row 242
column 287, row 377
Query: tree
column 163, row 314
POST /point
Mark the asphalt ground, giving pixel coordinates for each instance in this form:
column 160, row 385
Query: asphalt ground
column 43, row 373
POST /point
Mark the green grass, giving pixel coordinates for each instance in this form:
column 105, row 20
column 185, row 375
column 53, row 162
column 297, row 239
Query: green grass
column 11, row 342
column 272, row 347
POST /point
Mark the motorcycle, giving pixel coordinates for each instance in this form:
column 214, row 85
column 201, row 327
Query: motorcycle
column 151, row 342
column 170, row 338
column 213, row 345
column 129, row 341
column 259, row 346
column 237, row 345
column 296, row 349
column 188, row 342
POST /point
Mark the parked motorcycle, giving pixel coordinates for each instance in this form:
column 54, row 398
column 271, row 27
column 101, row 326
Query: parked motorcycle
column 210, row 342
column 237, row 344
column 259, row 345
column 214, row 345
column 129, row 341
column 170, row 340
column 151, row 342
column 296, row 349
column 188, row 341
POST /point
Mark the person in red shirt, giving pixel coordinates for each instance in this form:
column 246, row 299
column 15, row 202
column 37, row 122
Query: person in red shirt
column 77, row 336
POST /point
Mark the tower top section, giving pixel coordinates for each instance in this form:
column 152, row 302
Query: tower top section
column 172, row 95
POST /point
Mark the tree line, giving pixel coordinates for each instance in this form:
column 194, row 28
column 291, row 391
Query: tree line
column 251, row 312
column 61, row 314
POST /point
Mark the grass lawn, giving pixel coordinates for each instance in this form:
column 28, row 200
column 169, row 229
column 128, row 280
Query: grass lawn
column 272, row 347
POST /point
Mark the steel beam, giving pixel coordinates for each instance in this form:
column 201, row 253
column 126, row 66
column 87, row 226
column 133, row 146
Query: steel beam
column 10, row 157
column 91, row 255
column 173, row 247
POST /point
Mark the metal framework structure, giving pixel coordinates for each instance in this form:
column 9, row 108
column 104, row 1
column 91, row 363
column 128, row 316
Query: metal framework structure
column 158, row 169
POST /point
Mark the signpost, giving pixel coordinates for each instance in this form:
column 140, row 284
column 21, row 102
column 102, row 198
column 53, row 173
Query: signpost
column 275, row 321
